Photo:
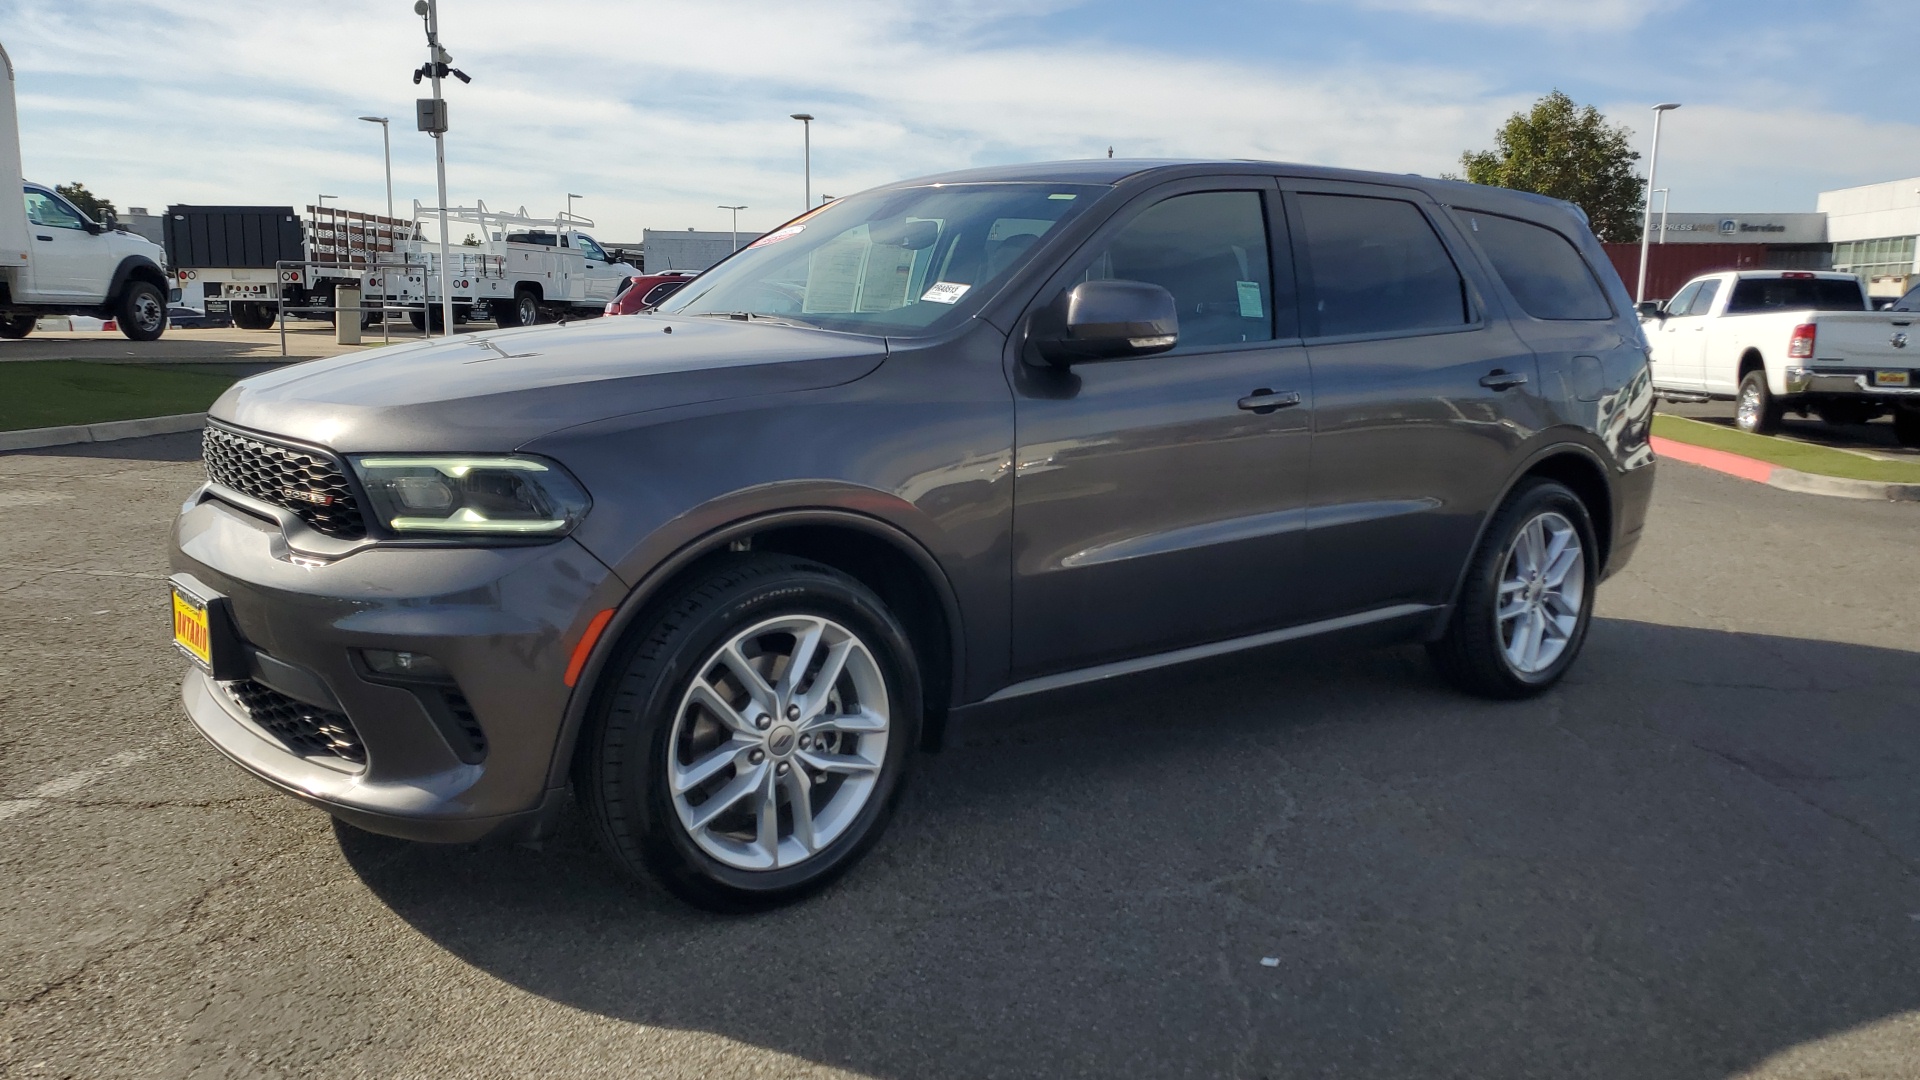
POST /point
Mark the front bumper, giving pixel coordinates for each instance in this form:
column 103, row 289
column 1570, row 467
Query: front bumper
column 501, row 620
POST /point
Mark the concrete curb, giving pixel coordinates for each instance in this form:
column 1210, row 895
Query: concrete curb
column 36, row 438
column 1786, row 479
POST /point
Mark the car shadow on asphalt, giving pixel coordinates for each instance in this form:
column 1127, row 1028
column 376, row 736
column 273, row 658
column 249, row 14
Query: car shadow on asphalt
column 1698, row 852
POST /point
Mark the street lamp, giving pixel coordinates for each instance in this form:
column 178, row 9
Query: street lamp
column 736, row 223
column 806, row 134
column 1666, row 196
column 1646, row 220
column 386, row 145
column 570, row 197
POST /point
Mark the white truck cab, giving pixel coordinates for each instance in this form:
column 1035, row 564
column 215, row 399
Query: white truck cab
column 55, row 260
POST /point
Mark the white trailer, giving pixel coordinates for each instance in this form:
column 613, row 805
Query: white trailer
column 520, row 269
column 55, row 260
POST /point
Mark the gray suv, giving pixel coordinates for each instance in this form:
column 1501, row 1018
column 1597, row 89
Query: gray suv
column 952, row 442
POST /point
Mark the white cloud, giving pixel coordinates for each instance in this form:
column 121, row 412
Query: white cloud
column 1547, row 14
column 659, row 113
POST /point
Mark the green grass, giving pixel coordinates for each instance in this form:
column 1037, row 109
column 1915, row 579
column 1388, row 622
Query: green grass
column 50, row 393
column 1803, row 457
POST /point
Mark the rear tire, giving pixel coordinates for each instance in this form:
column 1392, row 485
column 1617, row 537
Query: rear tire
column 1526, row 604
column 16, row 327
column 1756, row 410
column 522, row 310
column 678, row 725
column 252, row 316
column 142, row 312
column 1906, row 426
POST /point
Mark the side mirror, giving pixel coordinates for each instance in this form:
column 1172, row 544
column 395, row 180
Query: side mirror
column 95, row 228
column 1106, row 320
column 1650, row 309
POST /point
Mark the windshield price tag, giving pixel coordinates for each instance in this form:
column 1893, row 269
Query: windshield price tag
column 945, row 292
column 778, row 235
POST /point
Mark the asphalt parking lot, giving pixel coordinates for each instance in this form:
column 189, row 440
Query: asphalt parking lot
column 1700, row 857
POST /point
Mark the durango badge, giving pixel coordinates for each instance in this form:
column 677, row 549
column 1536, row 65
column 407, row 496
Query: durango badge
column 313, row 497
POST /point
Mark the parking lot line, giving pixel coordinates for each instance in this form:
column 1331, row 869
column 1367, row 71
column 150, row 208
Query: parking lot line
column 70, row 783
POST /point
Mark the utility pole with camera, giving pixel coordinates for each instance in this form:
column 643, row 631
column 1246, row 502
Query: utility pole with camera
column 432, row 115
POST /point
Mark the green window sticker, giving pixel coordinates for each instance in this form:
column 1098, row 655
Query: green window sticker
column 1250, row 307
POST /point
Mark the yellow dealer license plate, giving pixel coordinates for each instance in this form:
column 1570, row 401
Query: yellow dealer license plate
column 1890, row 378
column 190, row 628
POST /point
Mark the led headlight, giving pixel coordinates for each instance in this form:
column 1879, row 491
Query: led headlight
column 446, row 495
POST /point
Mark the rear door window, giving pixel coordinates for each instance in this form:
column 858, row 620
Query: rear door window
column 1540, row 267
column 1209, row 249
column 1377, row 267
column 1795, row 294
column 1703, row 303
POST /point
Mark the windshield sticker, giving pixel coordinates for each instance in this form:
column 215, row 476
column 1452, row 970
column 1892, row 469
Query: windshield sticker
column 778, row 235
column 945, row 292
column 1250, row 300
column 1061, row 195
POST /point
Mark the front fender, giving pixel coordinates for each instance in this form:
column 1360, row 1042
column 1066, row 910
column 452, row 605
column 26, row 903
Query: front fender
column 133, row 268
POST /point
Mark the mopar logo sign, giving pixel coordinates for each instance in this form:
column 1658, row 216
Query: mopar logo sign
column 1729, row 227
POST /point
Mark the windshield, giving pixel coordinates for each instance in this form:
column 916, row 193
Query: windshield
column 898, row 262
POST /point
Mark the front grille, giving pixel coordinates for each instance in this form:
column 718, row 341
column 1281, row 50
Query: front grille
column 309, row 484
column 305, row 729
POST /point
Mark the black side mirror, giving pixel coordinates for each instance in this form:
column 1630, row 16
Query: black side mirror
column 1650, row 309
column 1106, row 320
column 96, row 228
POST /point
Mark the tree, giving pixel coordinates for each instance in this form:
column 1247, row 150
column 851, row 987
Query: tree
column 470, row 241
column 1567, row 151
column 92, row 205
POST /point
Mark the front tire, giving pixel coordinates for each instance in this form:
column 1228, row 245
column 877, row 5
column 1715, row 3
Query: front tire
column 753, row 736
column 142, row 313
column 1757, row 411
column 1906, row 426
column 1527, row 601
column 15, row 327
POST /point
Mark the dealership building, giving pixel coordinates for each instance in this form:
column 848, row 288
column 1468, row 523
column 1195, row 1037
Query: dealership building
column 1869, row 231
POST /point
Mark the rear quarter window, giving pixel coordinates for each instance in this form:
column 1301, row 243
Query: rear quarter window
column 1540, row 267
column 1752, row 295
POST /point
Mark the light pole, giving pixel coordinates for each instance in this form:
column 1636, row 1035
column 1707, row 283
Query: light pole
column 570, row 197
column 433, row 120
column 1646, row 220
column 386, row 146
column 1666, row 196
column 806, row 135
column 736, row 223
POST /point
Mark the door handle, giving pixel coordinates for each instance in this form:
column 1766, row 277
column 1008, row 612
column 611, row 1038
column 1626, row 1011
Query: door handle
column 1264, row 401
column 1502, row 380
column 38, row 236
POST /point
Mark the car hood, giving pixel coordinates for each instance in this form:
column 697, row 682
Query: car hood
column 495, row 390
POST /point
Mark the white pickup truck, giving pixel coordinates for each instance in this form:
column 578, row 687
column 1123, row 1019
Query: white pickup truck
column 1774, row 340
column 522, row 270
column 55, row 260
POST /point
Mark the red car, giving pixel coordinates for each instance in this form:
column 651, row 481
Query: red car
column 643, row 292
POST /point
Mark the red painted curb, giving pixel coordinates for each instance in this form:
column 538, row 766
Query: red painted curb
column 1745, row 468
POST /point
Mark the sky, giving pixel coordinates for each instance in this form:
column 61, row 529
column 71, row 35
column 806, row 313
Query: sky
column 657, row 113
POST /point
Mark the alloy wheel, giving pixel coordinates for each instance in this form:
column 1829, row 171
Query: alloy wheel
column 1543, row 584
column 1747, row 412
column 147, row 313
column 778, row 742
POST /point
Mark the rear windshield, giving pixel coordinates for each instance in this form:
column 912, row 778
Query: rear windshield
column 897, row 261
column 1796, row 294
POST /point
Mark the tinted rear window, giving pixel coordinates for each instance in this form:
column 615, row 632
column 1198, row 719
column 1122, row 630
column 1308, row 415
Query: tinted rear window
column 1909, row 302
column 1541, row 268
column 1795, row 294
column 1378, row 268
